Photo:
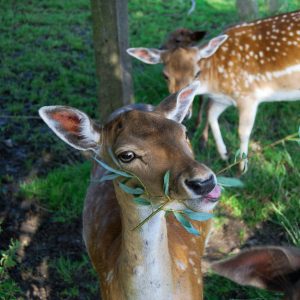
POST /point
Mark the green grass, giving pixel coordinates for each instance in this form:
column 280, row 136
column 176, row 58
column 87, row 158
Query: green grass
column 47, row 58
column 70, row 271
column 62, row 191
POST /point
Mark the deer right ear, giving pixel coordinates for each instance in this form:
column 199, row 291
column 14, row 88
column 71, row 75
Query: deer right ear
column 147, row 55
column 213, row 45
column 72, row 126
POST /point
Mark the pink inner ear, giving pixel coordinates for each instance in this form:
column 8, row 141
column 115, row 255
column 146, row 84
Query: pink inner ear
column 143, row 54
column 69, row 122
column 185, row 94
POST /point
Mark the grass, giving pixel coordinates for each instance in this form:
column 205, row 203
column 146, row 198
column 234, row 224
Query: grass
column 57, row 191
column 70, row 271
column 47, row 58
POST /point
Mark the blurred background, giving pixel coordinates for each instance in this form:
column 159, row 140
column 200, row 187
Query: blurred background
column 47, row 58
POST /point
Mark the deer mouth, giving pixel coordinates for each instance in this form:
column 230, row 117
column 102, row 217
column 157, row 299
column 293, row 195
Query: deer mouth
column 214, row 195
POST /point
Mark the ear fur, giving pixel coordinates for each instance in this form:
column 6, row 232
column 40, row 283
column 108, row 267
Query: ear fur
column 176, row 106
column 147, row 55
column 72, row 126
column 270, row 267
column 213, row 45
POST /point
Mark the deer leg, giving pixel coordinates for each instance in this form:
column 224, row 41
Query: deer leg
column 214, row 112
column 246, row 122
column 204, row 137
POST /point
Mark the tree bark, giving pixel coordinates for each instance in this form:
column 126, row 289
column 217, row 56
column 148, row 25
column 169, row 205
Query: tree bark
column 275, row 5
column 113, row 65
column 247, row 9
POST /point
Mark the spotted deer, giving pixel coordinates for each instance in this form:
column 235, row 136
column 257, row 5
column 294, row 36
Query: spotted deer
column 249, row 64
column 160, row 260
column 272, row 268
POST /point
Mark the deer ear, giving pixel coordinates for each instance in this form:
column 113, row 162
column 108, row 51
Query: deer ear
column 212, row 46
column 176, row 106
column 72, row 126
column 270, row 267
column 147, row 55
column 197, row 35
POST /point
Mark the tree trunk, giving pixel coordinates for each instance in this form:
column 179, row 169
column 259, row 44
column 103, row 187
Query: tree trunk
column 274, row 6
column 113, row 65
column 247, row 9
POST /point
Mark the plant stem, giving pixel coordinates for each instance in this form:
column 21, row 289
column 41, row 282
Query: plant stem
column 152, row 214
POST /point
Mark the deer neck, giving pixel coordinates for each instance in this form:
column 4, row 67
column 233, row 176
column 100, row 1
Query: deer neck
column 144, row 265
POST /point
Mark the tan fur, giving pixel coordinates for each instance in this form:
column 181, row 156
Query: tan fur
column 102, row 226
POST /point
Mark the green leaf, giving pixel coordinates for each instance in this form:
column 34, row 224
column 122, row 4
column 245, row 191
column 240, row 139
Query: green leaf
column 109, row 177
column 244, row 155
column 110, row 169
column 185, row 223
column 131, row 191
column 112, row 155
column 166, row 182
column 141, row 201
column 237, row 155
column 198, row 216
column 230, row 182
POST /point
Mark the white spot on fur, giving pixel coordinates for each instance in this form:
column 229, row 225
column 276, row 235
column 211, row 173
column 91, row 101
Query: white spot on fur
column 180, row 265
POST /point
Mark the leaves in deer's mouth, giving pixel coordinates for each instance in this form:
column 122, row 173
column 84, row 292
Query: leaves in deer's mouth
column 197, row 216
column 141, row 201
column 185, row 223
column 166, row 182
column 230, row 182
column 112, row 170
column 108, row 177
column 131, row 191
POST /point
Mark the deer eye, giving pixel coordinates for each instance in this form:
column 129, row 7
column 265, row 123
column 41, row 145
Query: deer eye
column 198, row 74
column 126, row 156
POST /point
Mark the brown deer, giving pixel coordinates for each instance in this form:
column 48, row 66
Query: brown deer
column 160, row 260
column 272, row 268
column 249, row 64
column 180, row 38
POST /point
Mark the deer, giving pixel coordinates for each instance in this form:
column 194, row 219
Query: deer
column 249, row 64
column 275, row 268
column 159, row 260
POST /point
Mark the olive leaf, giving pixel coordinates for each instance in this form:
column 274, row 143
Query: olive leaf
column 197, row 216
column 131, row 191
column 185, row 223
column 166, row 182
column 110, row 169
column 230, row 182
column 108, row 177
column 111, row 154
column 141, row 201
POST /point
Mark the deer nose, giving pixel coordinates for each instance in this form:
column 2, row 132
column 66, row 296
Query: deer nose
column 200, row 186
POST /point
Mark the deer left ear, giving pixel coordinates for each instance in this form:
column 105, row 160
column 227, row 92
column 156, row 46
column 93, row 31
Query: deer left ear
column 147, row 55
column 176, row 106
column 213, row 45
column 72, row 126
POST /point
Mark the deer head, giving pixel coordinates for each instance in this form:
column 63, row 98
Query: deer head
column 182, row 38
column 180, row 64
column 144, row 143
